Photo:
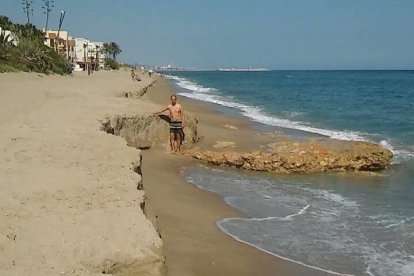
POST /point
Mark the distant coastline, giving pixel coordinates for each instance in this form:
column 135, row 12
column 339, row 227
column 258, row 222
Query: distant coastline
column 233, row 69
column 243, row 69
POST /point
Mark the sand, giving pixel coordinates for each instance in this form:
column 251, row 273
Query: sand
column 69, row 203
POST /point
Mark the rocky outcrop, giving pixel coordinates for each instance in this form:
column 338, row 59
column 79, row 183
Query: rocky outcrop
column 283, row 156
column 144, row 132
column 308, row 157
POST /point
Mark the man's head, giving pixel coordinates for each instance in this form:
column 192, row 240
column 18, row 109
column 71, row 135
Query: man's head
column 173, row 99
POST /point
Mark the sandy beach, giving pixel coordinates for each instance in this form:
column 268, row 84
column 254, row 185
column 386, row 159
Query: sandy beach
column 69, row 203
column 69, row 198
column 290, row 152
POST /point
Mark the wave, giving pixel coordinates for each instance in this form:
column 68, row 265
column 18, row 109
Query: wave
column 333, row 197
column 222, row 228
column 395, row 222
column 287, row 218
column 189, row 85
column 293, row 114
column 402, row 153
column 257, row 114
column 301, row 212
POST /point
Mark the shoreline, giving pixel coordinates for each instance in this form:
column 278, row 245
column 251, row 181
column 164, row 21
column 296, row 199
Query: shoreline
column 203, row 249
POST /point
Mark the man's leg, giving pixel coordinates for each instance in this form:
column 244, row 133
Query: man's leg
column 179, row 140
column 176, row 141
column 172, row 136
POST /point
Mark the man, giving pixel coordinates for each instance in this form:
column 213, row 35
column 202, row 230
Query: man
column 176, row 124
column 132, row 74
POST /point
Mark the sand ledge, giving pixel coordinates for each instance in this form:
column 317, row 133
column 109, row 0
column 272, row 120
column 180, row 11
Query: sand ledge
column 69, row 198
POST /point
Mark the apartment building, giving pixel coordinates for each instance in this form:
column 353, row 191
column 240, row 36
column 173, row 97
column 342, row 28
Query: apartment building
column 61, row 42
column 79, row 51
column 89, row 52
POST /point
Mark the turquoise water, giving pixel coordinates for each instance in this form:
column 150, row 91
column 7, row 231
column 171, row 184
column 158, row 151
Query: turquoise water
column 340, row 224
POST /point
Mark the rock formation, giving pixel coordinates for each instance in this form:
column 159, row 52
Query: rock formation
column 307, row 157
column 283, row 156
column 144, row 132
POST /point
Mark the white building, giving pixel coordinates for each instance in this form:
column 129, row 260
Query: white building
column 89, row 52
column 9, row 36
column 80, row 51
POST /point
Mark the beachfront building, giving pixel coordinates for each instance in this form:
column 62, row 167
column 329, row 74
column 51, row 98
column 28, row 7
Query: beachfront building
column 61, row 42
column 97, row 51
column 80, row 51
column 89, row 53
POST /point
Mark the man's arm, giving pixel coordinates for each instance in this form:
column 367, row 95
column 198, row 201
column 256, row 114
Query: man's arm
column 159, row 112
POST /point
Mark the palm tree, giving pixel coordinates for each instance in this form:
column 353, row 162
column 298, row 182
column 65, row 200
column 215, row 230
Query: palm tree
column 115, row 50
column 111, row 50
column 106, row 49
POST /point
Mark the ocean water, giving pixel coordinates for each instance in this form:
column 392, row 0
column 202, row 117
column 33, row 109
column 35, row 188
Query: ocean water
column 337, row 224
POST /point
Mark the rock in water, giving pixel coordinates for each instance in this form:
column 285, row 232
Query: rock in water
column 305, row 157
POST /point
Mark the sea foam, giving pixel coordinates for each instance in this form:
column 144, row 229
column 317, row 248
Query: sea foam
column 223, row 229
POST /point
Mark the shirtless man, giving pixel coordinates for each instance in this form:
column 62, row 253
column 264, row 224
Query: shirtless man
column 176, row 124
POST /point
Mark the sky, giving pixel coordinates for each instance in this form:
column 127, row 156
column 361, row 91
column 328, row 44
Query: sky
column 275, row 34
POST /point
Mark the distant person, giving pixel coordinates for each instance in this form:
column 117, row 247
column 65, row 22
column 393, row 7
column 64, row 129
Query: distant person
column 176, row 115
column 132, row 74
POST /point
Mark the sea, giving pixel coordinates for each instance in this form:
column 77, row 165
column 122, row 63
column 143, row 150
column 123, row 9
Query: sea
column 339, row 224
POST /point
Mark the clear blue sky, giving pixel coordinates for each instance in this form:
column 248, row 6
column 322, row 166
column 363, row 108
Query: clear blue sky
column 288, row 34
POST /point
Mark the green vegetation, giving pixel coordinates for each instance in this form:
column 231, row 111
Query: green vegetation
column 111, row 50
column 24, row 50
column 22, row 47
column 111, row 64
